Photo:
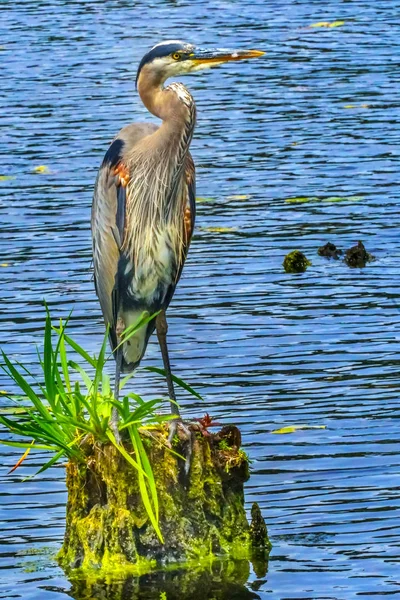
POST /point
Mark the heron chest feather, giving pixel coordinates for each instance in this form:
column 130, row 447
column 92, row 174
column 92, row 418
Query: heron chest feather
column 154, row 270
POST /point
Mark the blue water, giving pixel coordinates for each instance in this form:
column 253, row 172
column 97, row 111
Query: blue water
column 292, row 150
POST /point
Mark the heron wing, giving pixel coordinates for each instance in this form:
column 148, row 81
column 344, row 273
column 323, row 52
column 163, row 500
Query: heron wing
column 190, row 207
column 108, row 220
column 188, row 216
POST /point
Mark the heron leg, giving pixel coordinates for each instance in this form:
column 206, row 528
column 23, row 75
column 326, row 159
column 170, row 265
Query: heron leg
column 162, row 329
column 114, row 413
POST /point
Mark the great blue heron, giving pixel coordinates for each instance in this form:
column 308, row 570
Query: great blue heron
column 144, row 205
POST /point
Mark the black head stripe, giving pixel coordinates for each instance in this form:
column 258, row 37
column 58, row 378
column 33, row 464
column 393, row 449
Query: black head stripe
column 160, row 51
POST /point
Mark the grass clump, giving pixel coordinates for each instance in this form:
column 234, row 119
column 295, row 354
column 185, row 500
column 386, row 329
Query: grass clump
column 58, row 414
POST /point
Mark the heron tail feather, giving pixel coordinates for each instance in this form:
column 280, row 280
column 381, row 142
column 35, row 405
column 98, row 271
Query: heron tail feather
column 135, row 347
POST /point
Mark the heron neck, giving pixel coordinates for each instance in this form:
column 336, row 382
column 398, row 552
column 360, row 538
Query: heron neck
column 173, row 104
column 176, row 107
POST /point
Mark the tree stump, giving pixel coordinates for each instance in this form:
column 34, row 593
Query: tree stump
column 201, row 515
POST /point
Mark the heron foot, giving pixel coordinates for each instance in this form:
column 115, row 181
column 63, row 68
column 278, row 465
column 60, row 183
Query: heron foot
column 176, row 427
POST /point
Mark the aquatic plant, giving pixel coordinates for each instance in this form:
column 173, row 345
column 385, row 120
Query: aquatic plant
column 63, row 416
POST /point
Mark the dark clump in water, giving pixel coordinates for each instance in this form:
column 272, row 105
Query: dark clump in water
column 330, row 251
column 296, row 262
column 357, row 256
column 259, row 533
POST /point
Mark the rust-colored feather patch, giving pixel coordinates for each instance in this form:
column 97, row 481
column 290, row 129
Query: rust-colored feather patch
column 121, row 173
column 187, row 224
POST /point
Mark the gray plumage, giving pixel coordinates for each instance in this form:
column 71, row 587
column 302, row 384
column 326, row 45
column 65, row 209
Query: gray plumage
column 142, row 221
column 144, row 205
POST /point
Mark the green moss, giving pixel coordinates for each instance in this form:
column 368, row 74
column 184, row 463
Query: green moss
column 296, row 262
column 223, row 445
column 202, row 517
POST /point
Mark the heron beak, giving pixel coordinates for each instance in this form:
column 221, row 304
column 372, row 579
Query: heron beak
column 218, row 56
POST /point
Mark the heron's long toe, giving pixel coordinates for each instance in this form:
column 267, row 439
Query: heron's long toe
column 175, row 427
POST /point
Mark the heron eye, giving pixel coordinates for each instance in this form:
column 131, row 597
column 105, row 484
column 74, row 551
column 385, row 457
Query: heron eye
column 176, row 56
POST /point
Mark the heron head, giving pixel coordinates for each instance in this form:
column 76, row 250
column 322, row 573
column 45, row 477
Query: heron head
column 173, row 57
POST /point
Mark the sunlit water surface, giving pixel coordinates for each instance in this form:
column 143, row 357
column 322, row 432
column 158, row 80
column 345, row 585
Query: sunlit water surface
column 316, row 119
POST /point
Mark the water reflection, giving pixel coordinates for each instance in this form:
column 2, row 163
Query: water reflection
column 223, row 580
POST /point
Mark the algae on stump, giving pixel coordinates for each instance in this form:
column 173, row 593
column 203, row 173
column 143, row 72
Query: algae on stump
column 107, row 527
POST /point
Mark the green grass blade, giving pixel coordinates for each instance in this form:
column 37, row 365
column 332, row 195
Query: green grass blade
column 119, row 406
column 30, row 374
column 132, row 329
column 125, row 380
column 147, row 469
column 64, row 362
column 61, row 350
column 143, row 411
column 48, row 358
column 80, row 425
column 135, row 397
column 105, row 385
column 66, row 406
column 124, row 453
column 91, row 408
column 28, row 445
column 104, row 424
column 163, row 418
column 42, row 423
column 25, row 387
column 46, row 466
column 176, row 380
column 99, row 369
column 140, row 452
column 75, row 346
column 38, row 429
column 86, row 379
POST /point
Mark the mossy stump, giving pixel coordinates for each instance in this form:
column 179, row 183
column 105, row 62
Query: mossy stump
column 201, row 515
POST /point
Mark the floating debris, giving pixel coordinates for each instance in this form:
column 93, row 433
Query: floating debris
column 42, row 169
column 239, row 197
column 302, row 199
column 202, row 200
column 328, row 24
column 357, row 256
column 330, row 251
column 296, row 262
column 349, row 106
column 7, row 177
column 218, row 229
column 293, row 428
